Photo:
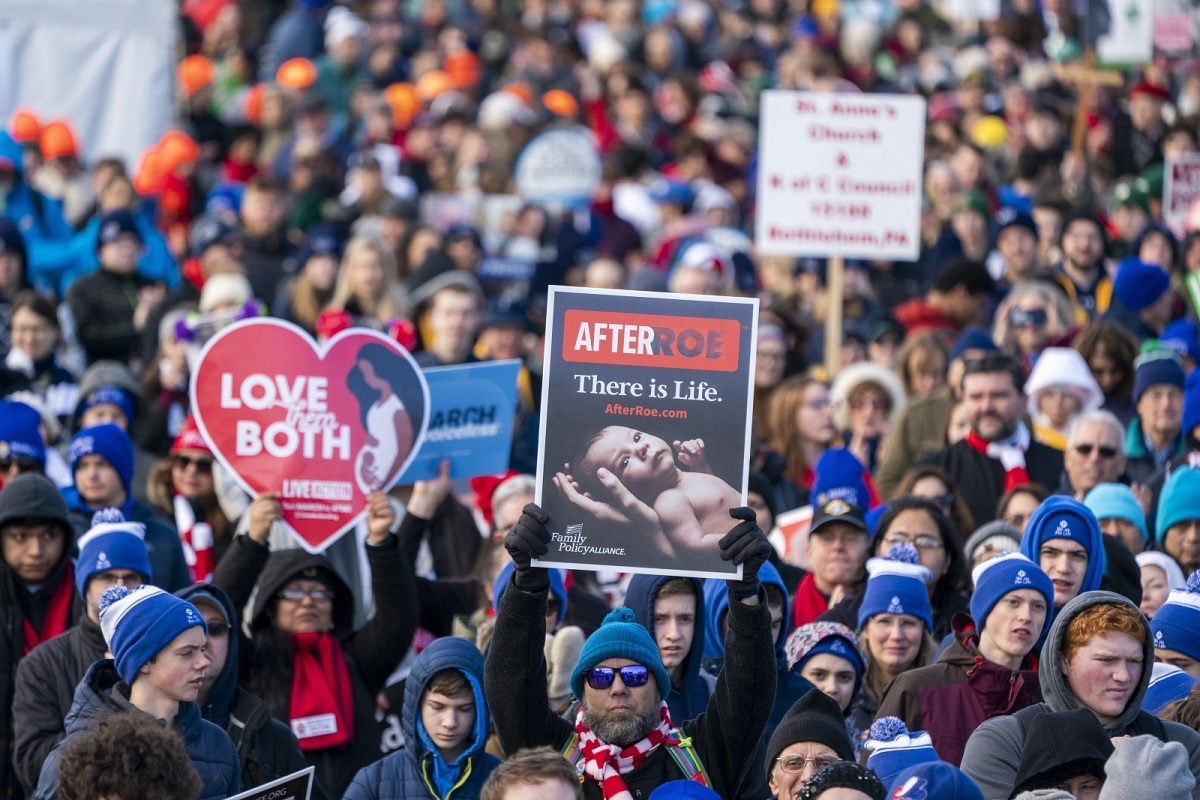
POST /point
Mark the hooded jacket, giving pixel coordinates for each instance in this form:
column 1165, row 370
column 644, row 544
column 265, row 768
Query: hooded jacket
column 29, row 496
column 993, row 753
column 1037, row 532
column 954, row 696
column 40, row 220
column 371, row 652
column 1061, row 746
column 418, row 770
column 690, row 697
column 102, row 694
column 265, row 746
column 789, row 686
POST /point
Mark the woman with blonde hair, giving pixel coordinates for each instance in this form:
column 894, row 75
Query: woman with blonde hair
column 924, row 359
column 367, row 287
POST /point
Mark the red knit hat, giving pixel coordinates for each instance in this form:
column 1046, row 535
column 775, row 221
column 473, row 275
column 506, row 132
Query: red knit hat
column 1152, row 89
column 189, row 438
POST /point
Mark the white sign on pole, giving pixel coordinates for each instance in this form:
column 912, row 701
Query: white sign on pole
column 1181, row 188
column 840, row 174
column 559, row 166
column 1130, row 37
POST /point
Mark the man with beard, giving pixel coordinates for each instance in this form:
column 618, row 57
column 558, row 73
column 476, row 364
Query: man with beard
column 998, row 454
column 623, row 740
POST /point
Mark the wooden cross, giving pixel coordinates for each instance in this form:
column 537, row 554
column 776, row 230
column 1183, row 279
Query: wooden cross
column 1086, row 77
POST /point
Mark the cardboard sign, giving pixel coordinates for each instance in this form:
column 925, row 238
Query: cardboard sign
column 323, row 425
column 297, row 786
column 840, row 174
column 645, row 429
column 1130, row 35
column 471, row 411
column 1181, row 189
column 559, row 166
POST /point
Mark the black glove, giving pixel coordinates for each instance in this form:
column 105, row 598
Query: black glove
column 528, row 539
column 747, row 545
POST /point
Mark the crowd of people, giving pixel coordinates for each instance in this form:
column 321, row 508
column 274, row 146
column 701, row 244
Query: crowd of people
column 996, row 596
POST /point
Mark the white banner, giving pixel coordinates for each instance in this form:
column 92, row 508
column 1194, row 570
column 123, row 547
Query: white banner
column 840, row 174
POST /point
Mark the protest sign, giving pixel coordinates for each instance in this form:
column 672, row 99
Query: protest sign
column 297, row 786
column 1181, row 189
column 471, row 410
column 840, row 174
column 1130, row 35
column 322, row 425
column 561, row 166
column 645, row 429
column 794, row 526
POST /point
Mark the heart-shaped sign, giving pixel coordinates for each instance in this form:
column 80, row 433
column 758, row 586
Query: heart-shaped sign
column 322, row 425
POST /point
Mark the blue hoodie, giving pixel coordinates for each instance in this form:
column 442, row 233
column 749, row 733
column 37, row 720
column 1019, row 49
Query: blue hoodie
column 418, row 770
column 690, row 698
column 789, row 686
column 40, row 220
column 1042, row 525
column 156, row 264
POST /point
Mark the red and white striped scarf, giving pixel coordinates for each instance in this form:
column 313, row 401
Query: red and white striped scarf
column 606, row 763
column 197, row 540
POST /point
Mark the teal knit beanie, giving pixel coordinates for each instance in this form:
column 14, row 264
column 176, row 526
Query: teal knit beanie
column 1177, row 503
column 621, row 636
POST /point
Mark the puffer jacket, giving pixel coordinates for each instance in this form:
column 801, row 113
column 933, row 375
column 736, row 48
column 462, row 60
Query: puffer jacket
column 953, row 697
column 265, row 746
column 418, row 771
column 102, row 694
column 371, row 652
column 46, row 681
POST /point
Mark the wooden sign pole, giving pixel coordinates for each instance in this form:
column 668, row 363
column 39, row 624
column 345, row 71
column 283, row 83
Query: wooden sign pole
column 833, row 315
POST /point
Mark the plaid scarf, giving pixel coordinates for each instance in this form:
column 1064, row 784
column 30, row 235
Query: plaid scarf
column 606, row 763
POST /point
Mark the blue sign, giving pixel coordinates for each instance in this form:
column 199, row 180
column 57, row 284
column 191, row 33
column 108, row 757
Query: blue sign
column 471, row 411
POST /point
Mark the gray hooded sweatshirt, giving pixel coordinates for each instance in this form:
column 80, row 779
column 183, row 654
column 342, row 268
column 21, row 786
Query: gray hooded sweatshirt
column 993, row 752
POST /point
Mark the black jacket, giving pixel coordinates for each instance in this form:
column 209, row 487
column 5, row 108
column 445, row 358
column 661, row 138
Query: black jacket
column 725, row 736
column 28, row 496
column 372, row 652
column 981, row 479
column 46, row 681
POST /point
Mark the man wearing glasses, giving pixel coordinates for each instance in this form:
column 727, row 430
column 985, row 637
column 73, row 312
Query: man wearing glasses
column 111, row 553
column 1095, row 453
column 623, row 738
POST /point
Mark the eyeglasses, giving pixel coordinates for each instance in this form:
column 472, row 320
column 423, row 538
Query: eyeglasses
column 218, row 628
column 767, row 355
column 298, row 595
column 1105, row 452
column 817, row 405
column 21, row 464
column 793, row 764
column 202, row 464
column 877, row 403
column 602, row 677
column 920, row 542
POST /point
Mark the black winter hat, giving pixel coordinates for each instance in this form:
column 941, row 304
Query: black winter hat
column 34, row 497
column 815, row 717
column 844, row 774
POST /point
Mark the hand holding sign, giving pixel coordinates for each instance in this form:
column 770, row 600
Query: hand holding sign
column 628, row 509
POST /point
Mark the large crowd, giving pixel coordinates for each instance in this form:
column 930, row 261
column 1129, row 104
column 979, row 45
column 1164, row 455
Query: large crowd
column 995, row 595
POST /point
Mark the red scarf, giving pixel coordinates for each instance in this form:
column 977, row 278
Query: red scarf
column 605, row 763
column 1009, row 453
column 322, row 702
column 809, row 603
column 58, row 614
column 197, row 539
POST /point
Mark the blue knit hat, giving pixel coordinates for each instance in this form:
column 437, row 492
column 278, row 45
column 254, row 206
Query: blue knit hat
column 682, row 790
column 110, row 443
column 1061, row 517
column 114, row 225
column 19, row 436
column 1183, row 337
column 933, row 780
column 111, row 395
column 972, row 338
column 1139, row 284
column 111, row 543
column 893, row 749
column 1156, row 368
column 1175, row 624
column 839, row 475
column 1117, row 501
column 874, row 516
column 1003, row 574
column 557, row 588
column 138, row 623
column 1177, row 501
column 897, row 585
column 1168, row 683
column 1191, row 402
column 621, row 636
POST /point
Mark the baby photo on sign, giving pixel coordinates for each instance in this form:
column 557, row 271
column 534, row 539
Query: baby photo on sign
column 645, row 429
